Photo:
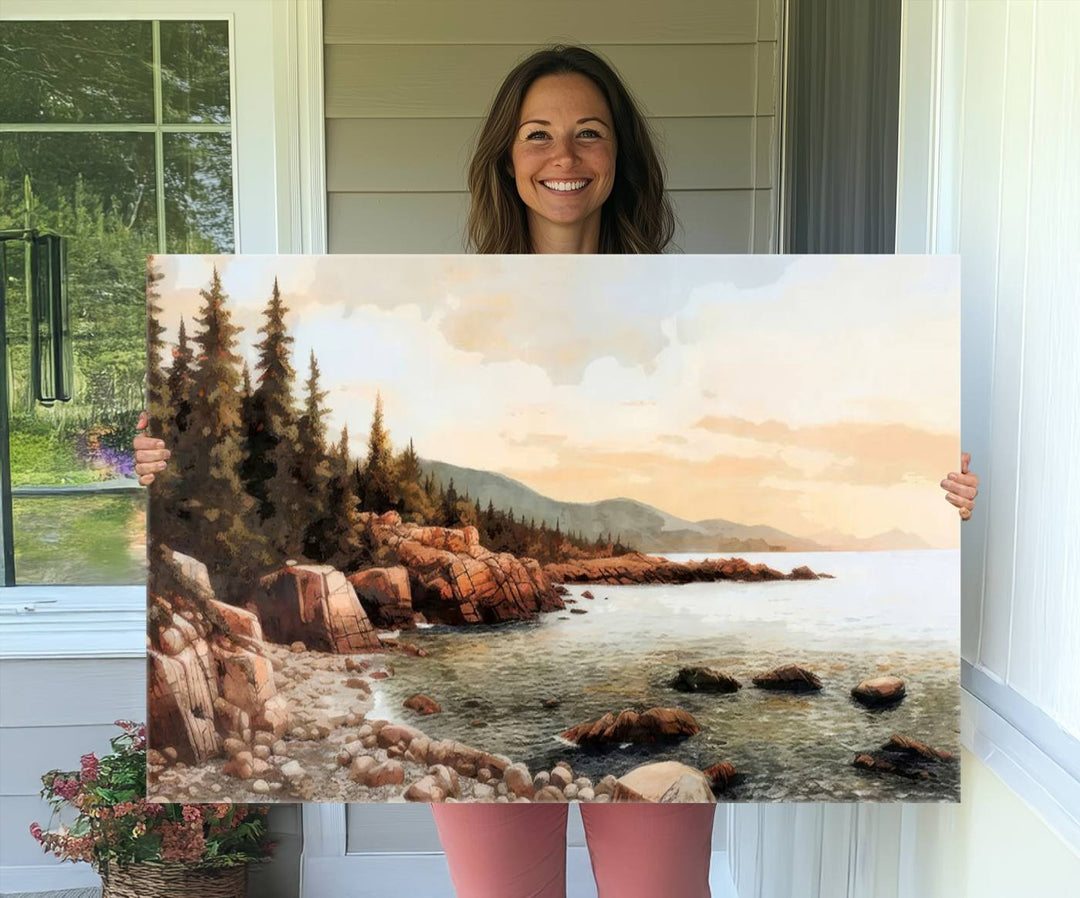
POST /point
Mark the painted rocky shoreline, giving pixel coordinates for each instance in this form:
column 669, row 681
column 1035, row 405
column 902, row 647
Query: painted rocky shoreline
column 280, row 700
column 636, row 568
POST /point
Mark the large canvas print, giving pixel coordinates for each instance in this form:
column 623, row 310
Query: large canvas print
column 554, row 528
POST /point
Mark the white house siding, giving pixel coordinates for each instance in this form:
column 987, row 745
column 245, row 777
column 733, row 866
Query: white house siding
column 408, row 82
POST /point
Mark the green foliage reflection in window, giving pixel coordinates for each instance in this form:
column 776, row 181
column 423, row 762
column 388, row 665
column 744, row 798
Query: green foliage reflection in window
column 124, row 129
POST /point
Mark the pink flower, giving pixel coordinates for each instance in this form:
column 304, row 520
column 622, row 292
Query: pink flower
column 65, row 788
column 181, row 842
column 192, row 813
column 89, row 767
column 36, row 832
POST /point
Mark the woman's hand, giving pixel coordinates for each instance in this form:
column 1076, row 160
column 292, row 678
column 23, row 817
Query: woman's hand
column 150, row 454
column 961, row 489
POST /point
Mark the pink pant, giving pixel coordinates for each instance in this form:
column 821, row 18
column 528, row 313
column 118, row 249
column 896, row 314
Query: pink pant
column 519, row 850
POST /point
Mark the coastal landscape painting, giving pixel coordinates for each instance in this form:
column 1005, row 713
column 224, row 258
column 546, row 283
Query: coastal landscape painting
column 553, row 528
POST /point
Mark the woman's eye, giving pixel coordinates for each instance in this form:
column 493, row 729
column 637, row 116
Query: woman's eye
column 536, row 135
column 589, row 132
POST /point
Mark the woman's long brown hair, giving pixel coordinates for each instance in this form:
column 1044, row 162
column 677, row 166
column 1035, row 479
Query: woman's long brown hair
column 636, row 218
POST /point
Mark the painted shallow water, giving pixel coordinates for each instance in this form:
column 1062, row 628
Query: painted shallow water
column 885, row 613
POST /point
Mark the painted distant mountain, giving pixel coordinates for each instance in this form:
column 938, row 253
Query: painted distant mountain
column 646, row 528
column 891, row 541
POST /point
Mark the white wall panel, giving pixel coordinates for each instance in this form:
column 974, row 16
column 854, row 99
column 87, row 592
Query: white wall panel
column 1013, row 224
column 1045, row 632
column 1007, row 189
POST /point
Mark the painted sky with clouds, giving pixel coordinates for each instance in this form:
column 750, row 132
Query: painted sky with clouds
column 809, row 393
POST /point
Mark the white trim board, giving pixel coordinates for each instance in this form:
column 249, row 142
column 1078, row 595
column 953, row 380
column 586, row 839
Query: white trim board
column 1057, row 744
column 41, row 622
column 1047, row 787
column 301, row 132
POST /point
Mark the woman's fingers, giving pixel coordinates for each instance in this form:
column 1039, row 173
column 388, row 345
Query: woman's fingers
column 959, row 501
column 961, row 485
column 144, row 456
column 150, row 453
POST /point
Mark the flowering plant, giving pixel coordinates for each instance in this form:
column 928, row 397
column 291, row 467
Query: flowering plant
column 115, row 824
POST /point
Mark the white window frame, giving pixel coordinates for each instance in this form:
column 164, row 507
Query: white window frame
column 280, row 207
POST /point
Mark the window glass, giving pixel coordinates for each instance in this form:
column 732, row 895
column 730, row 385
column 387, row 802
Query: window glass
column 83, row 540
column 63, row 72
column 98, row 190
column 198, row 193
column 195, row 71
column 79, row 516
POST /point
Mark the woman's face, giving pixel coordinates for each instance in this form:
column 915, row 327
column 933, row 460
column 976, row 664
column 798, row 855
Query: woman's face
column 563, row 155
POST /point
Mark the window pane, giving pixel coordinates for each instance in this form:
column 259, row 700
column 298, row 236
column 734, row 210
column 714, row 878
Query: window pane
column 102, row 174
column 99, row 191
column 76, row 72
column 81, row 540
column 195, row 71
column 198, row 193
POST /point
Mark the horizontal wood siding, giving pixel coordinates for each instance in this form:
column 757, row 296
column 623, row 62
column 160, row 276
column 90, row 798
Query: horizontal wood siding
column 440, row 81
column 523, row 22
column 52, row 713
column 380, row 155
column 408, row 84
column 709, row 221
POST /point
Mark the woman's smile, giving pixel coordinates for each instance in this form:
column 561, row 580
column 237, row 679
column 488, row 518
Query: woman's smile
column 563, row 160
column 573, row 186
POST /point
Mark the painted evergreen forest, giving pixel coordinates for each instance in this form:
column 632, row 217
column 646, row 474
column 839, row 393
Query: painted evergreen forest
column 255, row 478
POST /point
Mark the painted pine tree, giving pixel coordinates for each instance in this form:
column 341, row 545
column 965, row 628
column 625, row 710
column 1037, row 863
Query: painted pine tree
column 414, row 501
column 271, row 433
column 336, row 537
column 380, row 482
column 313, row 466
column 156, row 388
column 219, row 509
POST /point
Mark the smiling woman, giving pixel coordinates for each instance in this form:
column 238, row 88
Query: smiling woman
column 565, row 143
column 563, row 159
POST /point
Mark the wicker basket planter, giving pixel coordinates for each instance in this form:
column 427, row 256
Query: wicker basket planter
column 149, row 880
